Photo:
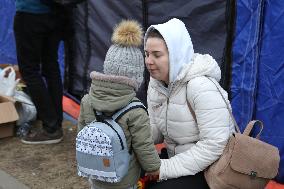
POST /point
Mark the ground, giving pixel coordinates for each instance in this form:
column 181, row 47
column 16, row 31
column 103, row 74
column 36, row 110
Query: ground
column 43, row 166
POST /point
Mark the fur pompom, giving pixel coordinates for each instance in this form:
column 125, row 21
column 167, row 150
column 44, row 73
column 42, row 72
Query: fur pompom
column 128, row 33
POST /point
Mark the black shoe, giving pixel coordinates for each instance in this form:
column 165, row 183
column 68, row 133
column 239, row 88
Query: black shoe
column 43, row 137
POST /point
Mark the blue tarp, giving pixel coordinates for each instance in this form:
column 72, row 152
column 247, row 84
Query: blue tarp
column 7, row 42
column 258, row 69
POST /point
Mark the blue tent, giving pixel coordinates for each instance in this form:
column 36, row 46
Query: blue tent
column 7, row 43
column 258, row 69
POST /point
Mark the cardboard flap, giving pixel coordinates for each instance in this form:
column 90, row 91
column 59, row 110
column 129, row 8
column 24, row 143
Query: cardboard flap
column 255, row 158
column 8, row 112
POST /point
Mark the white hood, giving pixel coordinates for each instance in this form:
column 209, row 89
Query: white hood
column 184, row 63
column 179, row 45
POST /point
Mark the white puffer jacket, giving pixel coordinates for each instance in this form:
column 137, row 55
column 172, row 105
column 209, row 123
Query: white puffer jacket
column 192, row 146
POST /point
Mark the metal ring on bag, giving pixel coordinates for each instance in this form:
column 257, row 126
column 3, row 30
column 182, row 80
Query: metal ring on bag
column 253, row 174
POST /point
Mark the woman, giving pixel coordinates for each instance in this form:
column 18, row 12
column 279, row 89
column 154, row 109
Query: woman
column 187, row 112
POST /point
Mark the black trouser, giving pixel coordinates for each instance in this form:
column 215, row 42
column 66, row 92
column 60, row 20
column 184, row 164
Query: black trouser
column 37, row 39
column 187, row 182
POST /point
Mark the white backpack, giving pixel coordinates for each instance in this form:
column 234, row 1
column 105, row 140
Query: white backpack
column 101, row 148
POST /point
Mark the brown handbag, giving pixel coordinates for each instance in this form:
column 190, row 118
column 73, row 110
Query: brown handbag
column 246, row 162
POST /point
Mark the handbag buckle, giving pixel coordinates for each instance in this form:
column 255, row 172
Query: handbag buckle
column 253, row 174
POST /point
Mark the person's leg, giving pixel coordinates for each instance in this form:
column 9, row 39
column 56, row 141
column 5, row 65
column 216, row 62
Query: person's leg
column 187, row 182
column 30, row 31
column 51, row 73
column 29, row 39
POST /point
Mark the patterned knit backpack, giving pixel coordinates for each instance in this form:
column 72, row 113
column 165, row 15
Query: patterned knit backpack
column 101, row 149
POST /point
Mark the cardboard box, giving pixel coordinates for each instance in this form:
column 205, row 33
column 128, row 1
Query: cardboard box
column 8, row 116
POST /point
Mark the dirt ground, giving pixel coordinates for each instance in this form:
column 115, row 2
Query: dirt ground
column 43, row 166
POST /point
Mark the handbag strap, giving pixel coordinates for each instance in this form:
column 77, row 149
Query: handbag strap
column 228, row 107
column 250, row 126
column 191, row 111
column 251, row 123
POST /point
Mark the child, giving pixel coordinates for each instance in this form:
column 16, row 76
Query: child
column 113, row 90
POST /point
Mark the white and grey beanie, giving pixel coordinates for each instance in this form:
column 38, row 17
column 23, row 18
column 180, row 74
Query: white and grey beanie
column 124, row 58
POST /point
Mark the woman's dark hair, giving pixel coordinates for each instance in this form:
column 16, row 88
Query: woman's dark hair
column 154, row 33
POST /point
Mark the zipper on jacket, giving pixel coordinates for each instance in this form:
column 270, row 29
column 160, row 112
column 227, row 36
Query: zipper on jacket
column 167, row 117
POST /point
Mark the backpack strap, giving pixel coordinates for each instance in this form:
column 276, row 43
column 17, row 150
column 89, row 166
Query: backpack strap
column 117, row 115
column 130, row 106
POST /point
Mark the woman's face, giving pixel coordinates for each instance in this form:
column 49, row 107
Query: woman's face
column 157, row 59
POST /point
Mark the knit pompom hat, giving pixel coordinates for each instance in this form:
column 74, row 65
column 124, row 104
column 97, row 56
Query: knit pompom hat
column 124, row 58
